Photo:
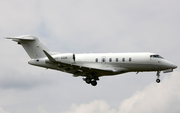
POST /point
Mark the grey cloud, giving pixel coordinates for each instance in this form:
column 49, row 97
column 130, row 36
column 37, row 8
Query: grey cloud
column 129, row 26
column 85, row 26
column 17, row 80
column 19, row 17
column 19, row 74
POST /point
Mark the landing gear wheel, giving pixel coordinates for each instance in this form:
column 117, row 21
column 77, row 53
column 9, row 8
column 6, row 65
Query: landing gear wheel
column 158, row 80
column 88, row 80
column 91, row 79
column 93, row 83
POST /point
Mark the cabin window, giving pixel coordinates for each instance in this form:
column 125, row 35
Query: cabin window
column 110, row 59
column 130, row 59
column 74, row 57
column 96, row 59
column 123, row 59
column 116, row 59
column 103, row 60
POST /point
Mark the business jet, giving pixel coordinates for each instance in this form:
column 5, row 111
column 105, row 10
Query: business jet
column 92, row 66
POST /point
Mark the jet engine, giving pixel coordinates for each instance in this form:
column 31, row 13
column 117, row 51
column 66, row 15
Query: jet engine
column 64, row 58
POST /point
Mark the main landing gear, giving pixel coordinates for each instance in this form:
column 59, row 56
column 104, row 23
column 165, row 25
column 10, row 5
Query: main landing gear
column 91, row 81
column 158, row 74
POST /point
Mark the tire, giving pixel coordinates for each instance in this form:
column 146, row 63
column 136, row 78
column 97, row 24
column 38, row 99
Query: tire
column 93, row 83
column 158, row 80
column 88, row 80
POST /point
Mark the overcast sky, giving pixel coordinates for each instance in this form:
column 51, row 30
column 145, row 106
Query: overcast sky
column 84, row 26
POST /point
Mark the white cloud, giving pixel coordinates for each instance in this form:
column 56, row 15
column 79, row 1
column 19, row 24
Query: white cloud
column 96, row 106
column 42, row 110
column 3, row 111
column 159, row 98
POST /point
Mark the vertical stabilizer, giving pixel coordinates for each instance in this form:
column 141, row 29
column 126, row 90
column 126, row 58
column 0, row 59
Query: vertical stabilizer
column 32, row 46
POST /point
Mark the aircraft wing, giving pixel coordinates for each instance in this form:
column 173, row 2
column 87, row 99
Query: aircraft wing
column 77, row 70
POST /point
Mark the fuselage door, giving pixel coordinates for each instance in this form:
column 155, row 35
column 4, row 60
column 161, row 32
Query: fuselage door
column 103, row 60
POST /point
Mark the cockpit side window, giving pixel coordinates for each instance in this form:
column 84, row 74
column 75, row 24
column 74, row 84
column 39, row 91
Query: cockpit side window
column 160, row 57
column 156, row 56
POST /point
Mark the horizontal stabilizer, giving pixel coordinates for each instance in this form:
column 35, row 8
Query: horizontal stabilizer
column 24, row 37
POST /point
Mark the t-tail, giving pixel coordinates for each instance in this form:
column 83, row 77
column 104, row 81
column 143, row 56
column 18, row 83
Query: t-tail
column 32, row 46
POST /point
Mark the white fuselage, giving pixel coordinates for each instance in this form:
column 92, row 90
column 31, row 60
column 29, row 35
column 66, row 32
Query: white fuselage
column 112, row 63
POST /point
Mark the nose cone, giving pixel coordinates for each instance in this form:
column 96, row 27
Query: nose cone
column 168, row 65
column 174, row 66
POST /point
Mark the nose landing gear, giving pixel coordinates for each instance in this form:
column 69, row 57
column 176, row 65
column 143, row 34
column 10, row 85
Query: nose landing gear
column 158, row 75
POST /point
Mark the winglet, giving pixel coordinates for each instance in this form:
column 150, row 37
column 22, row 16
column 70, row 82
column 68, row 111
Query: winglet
column 49, row 56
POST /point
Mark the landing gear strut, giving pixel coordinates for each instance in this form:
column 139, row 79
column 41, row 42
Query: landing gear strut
column 158, row 74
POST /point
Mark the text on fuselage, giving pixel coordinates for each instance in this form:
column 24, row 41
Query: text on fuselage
column 64, row 57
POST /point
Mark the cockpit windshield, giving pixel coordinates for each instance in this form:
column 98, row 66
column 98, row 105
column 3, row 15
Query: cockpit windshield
column 156, row 56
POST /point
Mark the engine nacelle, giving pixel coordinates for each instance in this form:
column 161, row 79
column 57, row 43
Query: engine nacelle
column 65, row 58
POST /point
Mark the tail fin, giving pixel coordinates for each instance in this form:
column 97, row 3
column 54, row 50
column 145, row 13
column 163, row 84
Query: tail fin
column 32, row 46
